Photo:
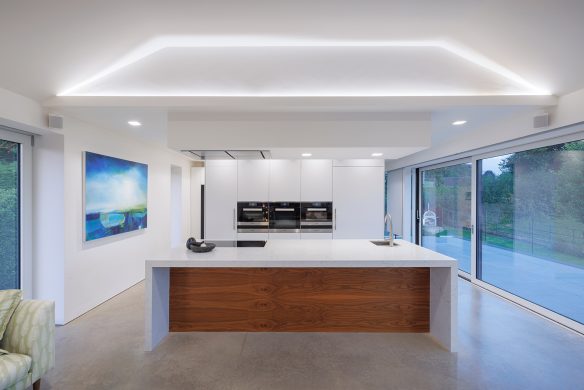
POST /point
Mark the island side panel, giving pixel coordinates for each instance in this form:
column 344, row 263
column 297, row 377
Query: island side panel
column 444, row 306
column 300, row 299
column 157, row 299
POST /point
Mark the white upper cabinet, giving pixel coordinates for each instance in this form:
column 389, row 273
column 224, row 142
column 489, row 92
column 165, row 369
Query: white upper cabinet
column 220, row 199
column 253, row 177
column 316, row 181
column 285, row 180
column 358, row 202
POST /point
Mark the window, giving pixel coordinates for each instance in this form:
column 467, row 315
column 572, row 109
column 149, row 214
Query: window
column 445, row 211
column 9, row 214
column 15, row 212
column 530, row 218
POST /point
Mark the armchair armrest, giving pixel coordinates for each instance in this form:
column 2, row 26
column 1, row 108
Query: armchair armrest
column 31, row 331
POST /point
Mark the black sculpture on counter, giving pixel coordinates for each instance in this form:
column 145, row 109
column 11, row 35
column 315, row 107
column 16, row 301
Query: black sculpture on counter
column 199, row 246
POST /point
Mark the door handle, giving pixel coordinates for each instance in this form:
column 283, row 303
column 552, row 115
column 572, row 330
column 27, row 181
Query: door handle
column 233, row 219
column 335, row 219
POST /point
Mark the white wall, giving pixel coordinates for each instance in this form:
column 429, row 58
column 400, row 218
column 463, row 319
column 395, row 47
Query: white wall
column 81, row 276
column 48, row 232
column 328, row 139
column 98, row 270
column 568, row 111
column 48, row 236
column 176, row 225
column 395, row 200
column 20, row 109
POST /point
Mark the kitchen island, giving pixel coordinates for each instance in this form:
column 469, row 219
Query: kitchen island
column 303, row 286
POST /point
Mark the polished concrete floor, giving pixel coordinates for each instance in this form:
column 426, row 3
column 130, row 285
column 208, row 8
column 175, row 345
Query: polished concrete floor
column 501, row 347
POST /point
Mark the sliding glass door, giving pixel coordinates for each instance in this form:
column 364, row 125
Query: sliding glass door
column 10, row 262
column 445, row 211
column 530, row 218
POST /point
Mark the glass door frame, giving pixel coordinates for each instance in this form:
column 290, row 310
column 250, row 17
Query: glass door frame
column 25, row 197
column 560, row 135
column 544, row 312
column 420, row 207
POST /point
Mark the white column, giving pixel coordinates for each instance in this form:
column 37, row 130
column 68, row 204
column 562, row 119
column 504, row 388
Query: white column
column 444, row 307
column 157, row 298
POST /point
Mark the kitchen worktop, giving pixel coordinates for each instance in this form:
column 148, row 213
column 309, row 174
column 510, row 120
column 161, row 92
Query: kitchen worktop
column 307, row 253
column 401, row 288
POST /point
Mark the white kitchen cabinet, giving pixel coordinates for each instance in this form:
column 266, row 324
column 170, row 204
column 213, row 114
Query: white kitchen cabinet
column 284, row 236
column 220, row 199
column 253, row 177
column 316, row 184
column 285, row 180
column 358, row 202
column 316, row 236
column 253, row 236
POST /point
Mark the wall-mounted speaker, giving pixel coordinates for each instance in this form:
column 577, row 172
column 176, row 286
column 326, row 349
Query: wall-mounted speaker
column 542, row 120
column 55, row 121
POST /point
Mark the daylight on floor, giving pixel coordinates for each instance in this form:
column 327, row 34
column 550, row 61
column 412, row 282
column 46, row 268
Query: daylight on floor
column 291, row 195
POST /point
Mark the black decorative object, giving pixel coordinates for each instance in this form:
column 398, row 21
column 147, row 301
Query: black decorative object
column 199, row 247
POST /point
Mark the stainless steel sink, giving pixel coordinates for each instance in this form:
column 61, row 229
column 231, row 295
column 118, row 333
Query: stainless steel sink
column 383, row 243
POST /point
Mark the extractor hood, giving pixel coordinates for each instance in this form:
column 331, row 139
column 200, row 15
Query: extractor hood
column 228, row 154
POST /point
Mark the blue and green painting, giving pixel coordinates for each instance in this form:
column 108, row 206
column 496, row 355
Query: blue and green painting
column 116, row 191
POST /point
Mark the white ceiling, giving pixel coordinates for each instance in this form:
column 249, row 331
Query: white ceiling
column 341, row 56
column 322, row 69
column 47, row 48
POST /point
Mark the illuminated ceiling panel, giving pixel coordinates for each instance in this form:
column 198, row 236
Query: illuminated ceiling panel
column 191, row 66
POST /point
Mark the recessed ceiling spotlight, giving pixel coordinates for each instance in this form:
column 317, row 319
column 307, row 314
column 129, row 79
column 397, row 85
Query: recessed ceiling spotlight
column 306, row 154
column 458, row 123
column 134, row 123
column 376, row 154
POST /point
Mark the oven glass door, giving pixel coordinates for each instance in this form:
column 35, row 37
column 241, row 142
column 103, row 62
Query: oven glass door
column 252, row 217
column 285, row 216
column 316, row 214
column 252, row 214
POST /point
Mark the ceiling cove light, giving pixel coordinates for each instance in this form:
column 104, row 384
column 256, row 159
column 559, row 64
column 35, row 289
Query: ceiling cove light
column 244, row 41
column 134, row 123
column 306, row 154
column 458, row 123
column 376, row 154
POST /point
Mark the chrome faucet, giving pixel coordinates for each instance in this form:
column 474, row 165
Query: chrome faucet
column 389, row 227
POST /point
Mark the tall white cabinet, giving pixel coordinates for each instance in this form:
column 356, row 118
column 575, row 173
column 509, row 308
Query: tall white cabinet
column 220, row 200
column 285, row 180
column 356, row 188
column 316, row 183
column 253, row 177
column 358, row 200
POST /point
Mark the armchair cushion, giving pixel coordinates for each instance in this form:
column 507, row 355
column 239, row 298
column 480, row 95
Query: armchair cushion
column 13, row 369
column 9, row 300
column 31, row 332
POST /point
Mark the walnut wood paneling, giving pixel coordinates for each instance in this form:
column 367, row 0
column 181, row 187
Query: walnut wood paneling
column 300, row 299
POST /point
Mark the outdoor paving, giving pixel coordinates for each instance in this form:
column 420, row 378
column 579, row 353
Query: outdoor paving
column 555, row 286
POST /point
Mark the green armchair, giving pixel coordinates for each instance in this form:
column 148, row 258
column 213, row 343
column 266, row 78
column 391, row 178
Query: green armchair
column 30, row 342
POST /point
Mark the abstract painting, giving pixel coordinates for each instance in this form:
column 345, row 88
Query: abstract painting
column 116, row 193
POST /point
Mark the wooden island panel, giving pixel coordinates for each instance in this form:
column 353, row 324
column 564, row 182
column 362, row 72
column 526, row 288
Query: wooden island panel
column 300, row 299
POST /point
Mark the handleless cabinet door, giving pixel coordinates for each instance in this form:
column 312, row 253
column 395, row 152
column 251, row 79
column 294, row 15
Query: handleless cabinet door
column 317, row 181
column 253, row 180
column 358, row 202
column 220, row 200
column 285, row 180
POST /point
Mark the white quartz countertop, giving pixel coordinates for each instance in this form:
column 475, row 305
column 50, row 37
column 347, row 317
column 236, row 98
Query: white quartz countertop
column 307, row 253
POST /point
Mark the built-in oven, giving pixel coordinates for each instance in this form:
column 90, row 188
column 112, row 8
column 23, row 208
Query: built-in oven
column 316, row 217
column 284, row 217
column 253, row 217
